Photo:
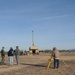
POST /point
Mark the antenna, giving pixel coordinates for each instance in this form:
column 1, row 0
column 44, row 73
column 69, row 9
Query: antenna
column 32, row 37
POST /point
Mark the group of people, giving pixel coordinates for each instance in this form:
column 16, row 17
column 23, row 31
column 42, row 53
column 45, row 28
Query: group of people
column 16, row 52
column 10, row 54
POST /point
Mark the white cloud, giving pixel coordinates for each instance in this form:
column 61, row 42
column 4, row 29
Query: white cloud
column 53, row 17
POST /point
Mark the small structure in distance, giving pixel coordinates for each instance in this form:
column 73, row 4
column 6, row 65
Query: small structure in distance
column 33, row 49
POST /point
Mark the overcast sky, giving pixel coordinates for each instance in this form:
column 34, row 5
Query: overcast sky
column 53, row 22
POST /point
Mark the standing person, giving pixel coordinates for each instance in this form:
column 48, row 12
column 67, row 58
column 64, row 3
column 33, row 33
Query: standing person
column 10, row 55
column 17, row 53
column 2, row 56
column 56, row 55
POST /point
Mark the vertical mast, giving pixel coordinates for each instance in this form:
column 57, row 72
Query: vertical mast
column 32, row 37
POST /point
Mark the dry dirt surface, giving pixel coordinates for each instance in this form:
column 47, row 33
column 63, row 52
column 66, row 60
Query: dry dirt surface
column 36, row 65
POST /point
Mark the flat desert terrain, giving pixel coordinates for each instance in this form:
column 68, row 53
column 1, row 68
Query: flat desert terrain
column 36, row 65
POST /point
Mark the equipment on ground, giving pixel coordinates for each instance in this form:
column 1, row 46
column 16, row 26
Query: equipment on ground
column 50, row 61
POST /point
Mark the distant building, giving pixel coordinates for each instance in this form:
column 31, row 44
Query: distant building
column 33, row 49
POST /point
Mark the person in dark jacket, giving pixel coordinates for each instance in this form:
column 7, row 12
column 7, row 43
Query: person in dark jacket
column 10, row 55
column 2, row 56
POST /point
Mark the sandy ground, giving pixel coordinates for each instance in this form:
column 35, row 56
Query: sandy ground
column 36, row 65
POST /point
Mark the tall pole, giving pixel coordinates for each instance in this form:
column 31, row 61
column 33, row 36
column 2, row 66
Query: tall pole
column 32, row 37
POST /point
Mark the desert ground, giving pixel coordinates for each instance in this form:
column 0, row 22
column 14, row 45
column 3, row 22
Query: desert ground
column 36, row 65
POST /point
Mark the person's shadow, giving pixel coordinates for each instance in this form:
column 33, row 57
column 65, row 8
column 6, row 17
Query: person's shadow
column 37, row 65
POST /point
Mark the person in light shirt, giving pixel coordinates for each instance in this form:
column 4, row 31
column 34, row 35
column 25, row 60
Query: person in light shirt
column 56, row 56
column 17, row 53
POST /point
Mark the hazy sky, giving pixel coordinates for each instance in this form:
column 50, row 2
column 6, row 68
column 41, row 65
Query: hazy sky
column 53, row 22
